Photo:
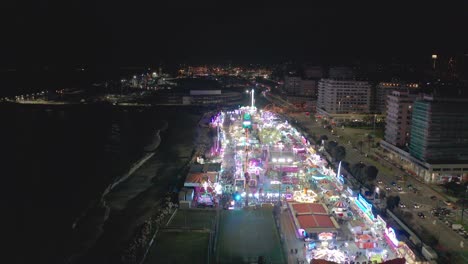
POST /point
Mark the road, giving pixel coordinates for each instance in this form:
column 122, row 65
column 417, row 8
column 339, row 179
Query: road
column 422, row 197
column 389, row 173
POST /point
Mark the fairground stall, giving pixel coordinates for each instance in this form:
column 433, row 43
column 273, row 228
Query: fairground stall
column 311, row 219
column 205, row 184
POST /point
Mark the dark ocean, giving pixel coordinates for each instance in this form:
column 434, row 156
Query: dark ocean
column 57, row 160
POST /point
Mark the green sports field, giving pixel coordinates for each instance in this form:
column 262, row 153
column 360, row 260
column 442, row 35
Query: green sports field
column 179, row 247
column 193, row 219
column 244, row 235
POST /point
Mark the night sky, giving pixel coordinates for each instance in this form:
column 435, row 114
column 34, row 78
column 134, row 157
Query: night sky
column 145, row 32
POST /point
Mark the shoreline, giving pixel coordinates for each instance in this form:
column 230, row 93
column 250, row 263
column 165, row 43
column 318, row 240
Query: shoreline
column 135, row 166
column 133, row 198
column 101, row 203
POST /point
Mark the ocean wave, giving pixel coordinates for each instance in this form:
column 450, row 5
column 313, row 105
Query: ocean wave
column 155, row 142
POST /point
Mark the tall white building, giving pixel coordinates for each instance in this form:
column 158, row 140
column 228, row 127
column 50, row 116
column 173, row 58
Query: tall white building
column 398, row 120
column 344, row 96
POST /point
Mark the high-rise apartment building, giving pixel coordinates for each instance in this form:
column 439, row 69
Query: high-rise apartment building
column 439, row 129
column 344, row 96
column 398, row 120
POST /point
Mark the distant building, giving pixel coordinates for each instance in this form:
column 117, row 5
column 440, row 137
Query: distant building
column 195, row 91
column 296, row 86
column 398, row 120
column 344, row 96
column 341, row 73
column 384, row 89
column 313, row 72
column 292, row 84
column 308, row 88
column 198, row 71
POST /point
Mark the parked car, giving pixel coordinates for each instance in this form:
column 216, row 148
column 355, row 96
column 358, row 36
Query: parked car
column 399, row 188
column 393, row 183
column 402, row 205
column 417, row 206
column 421, row 215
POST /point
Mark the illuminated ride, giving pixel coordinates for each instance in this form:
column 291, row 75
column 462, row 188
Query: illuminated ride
column 247, row 121
column 307, row 196
column 327, row 254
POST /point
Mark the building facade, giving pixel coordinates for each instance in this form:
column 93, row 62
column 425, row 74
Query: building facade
column 384, row 89
column 344, row 96
column 313, row 72
column 341, row 73
column 439, row 129
column 398, row 120
column 295, row 85
column 292, row 84
column 308, row 88
column 438, row 149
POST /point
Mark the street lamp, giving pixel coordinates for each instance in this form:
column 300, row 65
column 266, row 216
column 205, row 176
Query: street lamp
column 253, row 100
column 434, row 59
column 463, row 206
column 375, row 116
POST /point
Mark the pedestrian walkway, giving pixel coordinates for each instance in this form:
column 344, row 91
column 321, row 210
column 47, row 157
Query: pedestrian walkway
column 290, row 238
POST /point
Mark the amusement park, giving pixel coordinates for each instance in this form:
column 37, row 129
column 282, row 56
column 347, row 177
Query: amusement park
column 258, row 159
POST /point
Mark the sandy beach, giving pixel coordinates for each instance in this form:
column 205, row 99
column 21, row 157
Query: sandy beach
column 131, row 202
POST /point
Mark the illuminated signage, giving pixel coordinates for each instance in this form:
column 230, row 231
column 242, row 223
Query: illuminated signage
column 365, row 206
column 391, row 235
column 365, row 203
column 247, row 123
column 325, row 236
column 341, row 179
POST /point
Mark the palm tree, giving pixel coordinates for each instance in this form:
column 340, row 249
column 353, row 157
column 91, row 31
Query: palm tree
column 370, row 139
column 360, row 143
column 340, row 153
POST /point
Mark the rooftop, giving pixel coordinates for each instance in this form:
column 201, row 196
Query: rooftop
column 315, row 221
column 309, row 208
column 312, row 217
